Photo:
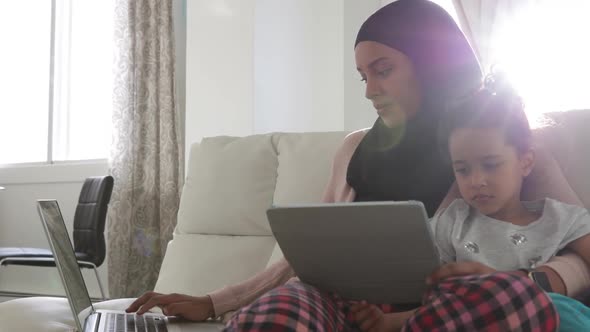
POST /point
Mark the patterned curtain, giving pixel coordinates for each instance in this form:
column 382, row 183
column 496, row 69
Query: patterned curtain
column 147, row 154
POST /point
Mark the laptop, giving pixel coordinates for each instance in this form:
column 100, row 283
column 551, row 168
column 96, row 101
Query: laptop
column 86, row 317
column 380, row 252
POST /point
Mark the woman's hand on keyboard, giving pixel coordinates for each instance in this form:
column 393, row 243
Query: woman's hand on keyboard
column 195, row 308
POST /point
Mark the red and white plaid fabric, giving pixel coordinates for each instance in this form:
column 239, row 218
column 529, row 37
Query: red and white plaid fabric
column 495, row 302
column 293, row 307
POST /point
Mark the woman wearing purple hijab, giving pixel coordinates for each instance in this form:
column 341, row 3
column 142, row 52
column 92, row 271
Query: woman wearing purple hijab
column 414, row 60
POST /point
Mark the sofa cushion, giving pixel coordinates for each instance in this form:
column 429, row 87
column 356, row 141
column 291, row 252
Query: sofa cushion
column 305, row 163
column 198, row 264
column 567, row 140
column 229, row 185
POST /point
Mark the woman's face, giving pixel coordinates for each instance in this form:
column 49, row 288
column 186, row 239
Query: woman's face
column 391, row 81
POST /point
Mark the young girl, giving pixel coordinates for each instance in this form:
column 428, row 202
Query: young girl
column 489, row 142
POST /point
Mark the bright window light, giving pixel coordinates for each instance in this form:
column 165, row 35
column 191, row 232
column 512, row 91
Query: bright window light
column 544, row 51
column 24, row 93
column 78, row 125
column 83, row 102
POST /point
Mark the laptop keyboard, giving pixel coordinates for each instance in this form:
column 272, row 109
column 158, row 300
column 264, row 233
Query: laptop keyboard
column 128, row 323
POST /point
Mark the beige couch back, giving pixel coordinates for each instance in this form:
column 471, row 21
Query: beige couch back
column 569, row 142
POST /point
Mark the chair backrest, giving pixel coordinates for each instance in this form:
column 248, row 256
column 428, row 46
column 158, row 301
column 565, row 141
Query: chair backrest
column 90, row 218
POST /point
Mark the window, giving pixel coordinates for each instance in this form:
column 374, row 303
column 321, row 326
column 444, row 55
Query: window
column 543, row 49
column 56, row 83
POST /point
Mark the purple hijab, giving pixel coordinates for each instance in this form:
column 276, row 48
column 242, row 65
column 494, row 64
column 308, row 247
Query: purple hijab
column 405, row 163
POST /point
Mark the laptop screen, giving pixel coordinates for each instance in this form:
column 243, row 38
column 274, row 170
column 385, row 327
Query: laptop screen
column 65, row 259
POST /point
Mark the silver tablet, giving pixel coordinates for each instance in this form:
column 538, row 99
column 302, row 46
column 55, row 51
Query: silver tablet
column 381, row 252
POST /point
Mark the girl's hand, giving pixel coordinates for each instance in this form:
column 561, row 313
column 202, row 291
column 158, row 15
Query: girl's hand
column 368, row 316
column 371, row 319
column 458, row 269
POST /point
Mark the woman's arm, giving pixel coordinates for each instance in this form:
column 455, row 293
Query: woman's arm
column 215, row 304
column 580, row 255
column 581, row 247
column 238, row 295
column 576, row 239
column 573, row 278
column 465, row 268
column 568, row 274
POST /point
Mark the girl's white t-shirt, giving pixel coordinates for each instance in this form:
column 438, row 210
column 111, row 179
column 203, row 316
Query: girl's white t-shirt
column 463, row 234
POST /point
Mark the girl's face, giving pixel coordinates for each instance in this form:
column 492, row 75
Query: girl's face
column 391, row 81
column 489, row 172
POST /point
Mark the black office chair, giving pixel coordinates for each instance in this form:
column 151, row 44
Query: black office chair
column 89, row 222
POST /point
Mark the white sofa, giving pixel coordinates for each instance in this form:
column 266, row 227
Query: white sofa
column 222, row 234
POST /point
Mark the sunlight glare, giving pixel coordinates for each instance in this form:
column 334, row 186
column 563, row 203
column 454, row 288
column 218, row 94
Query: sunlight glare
column 545, row 53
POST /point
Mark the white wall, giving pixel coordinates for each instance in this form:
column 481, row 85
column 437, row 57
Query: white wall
column 257, row 66
column 358, row 111
column 219, row 68
column 298, row 79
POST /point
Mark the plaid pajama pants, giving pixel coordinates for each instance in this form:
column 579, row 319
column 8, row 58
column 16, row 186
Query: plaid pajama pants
column 494, row 302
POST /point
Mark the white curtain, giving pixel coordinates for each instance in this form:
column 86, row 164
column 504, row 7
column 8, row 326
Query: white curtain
column 147, row 157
